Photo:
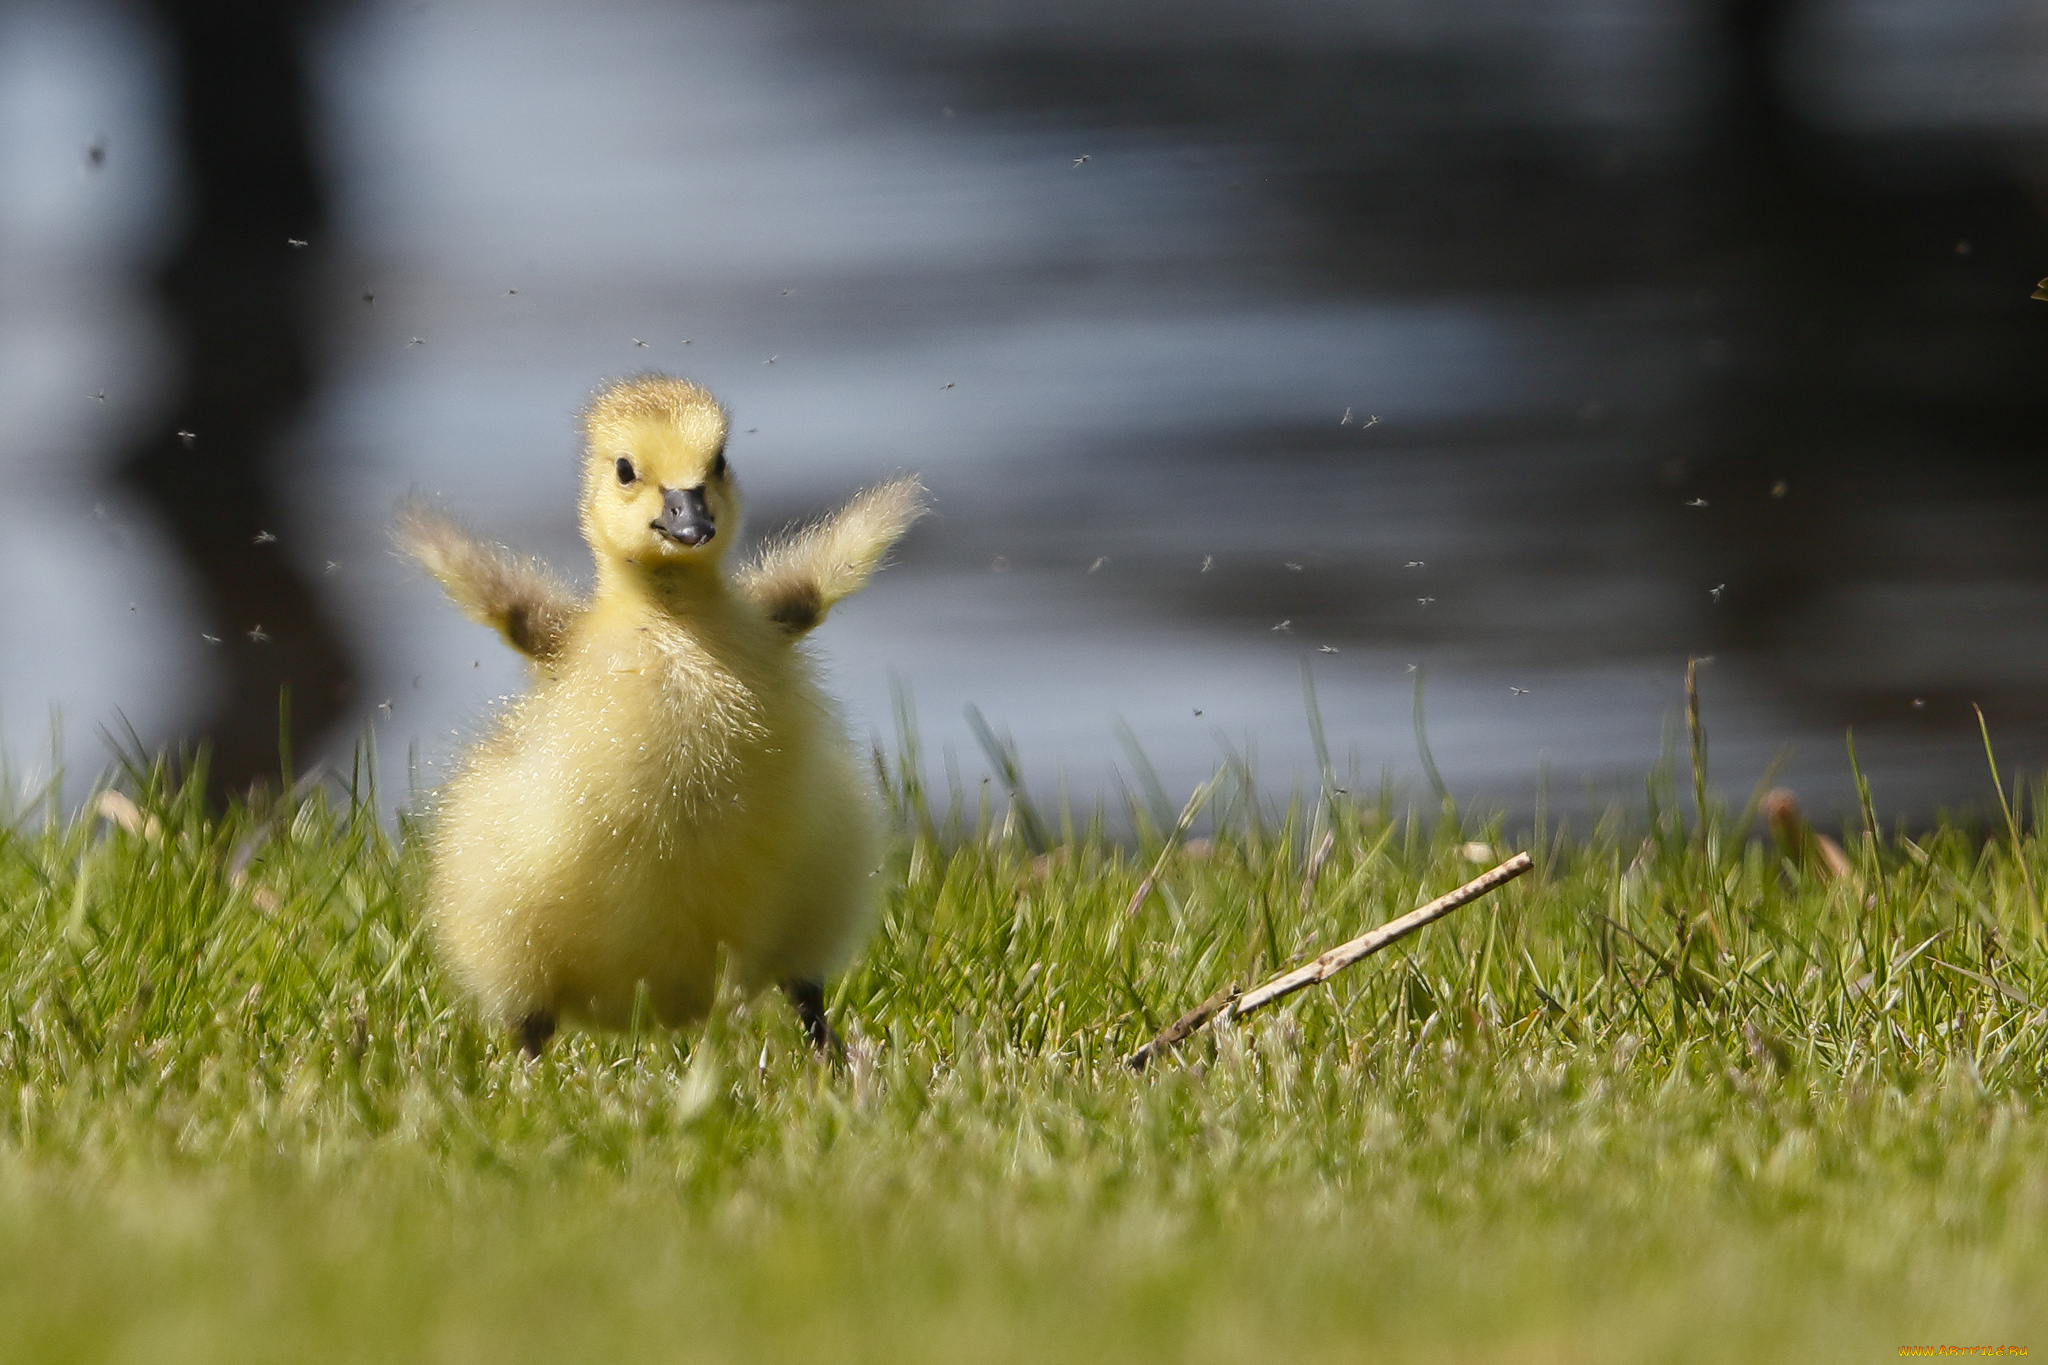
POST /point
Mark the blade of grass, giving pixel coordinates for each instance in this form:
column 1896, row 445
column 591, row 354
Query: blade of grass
column 2012, row 825
column 1002, row 756
column 1429, row 771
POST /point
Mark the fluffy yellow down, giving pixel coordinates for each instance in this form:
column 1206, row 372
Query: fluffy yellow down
column 674, row 780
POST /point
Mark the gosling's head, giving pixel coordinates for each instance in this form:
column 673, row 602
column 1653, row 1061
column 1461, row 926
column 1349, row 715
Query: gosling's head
column 656, row 489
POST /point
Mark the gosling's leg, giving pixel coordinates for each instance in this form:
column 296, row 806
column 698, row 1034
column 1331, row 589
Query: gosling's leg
column 808, row 997
column 534, row 1031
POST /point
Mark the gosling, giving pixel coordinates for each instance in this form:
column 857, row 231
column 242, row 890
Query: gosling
column 674, row 781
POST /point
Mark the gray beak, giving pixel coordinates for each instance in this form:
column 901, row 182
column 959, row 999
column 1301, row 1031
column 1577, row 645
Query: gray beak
column 684, row 517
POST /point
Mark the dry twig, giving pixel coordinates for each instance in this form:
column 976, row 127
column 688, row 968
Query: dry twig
column 1230, row 1003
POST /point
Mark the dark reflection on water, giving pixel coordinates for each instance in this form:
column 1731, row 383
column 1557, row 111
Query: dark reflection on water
column 1540, row 345
column 1783, row 394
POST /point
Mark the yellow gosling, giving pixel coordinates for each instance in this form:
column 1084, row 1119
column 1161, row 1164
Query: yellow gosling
column 674, row 781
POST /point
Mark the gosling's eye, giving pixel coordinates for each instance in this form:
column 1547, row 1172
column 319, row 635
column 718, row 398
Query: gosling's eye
column 626, row 474
column 718, row 465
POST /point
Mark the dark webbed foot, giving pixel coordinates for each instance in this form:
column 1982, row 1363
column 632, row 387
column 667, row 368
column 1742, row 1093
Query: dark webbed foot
column 808, row 997
column 534, row 1031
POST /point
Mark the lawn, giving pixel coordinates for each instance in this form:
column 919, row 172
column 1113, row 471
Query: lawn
column 1674, row 1095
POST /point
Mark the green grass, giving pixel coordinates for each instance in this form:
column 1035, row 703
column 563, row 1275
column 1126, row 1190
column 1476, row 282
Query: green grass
column 1668, row 1097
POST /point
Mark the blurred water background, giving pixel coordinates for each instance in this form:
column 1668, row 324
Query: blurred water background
column 1538, row 346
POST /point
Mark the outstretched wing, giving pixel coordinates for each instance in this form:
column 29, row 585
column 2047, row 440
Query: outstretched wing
column 798, row 577
column 513, row 594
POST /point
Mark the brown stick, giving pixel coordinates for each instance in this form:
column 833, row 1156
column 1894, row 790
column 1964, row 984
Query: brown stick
column 1228, row 1003
column 1180, row 1028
